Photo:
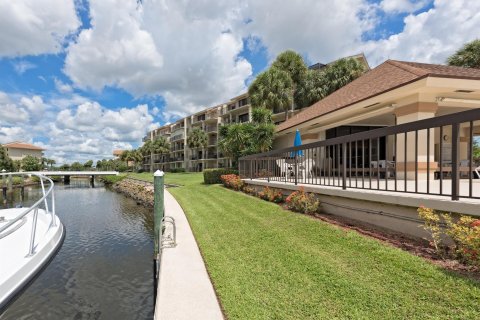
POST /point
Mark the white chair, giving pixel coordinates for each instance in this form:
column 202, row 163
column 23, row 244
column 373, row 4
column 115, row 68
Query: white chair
column 305, row 168
column 285, row 168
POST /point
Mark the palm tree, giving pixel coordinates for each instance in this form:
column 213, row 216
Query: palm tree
column 197, row 139
column 272, row 89
column 241, row 139
column 468, row 56
column 160, row 145
column 51, row 162
column 317, row 84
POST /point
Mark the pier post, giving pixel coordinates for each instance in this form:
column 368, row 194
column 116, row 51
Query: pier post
column 158, row 212
column 92, row 181
column 10, row 183
column 66, row 179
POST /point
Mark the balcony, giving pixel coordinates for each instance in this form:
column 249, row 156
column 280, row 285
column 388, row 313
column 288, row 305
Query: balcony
column 212, row 128
column 176, row 138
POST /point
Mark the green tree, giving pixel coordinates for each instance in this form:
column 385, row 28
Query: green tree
column 160, row 145
column 317, row 84
column 293, row 64
column 6, row 162
column 65, row 167
column 30, row 163
column 272, row 89
column 468, row 56
column 76, row 166
column 88, row 164
column 476, row 151
column 197, row 139
column 240, row 139
column 51, row 162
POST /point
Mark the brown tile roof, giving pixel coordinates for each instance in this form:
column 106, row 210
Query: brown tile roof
column 388, row 76
column 22, row 145
column 118, row 152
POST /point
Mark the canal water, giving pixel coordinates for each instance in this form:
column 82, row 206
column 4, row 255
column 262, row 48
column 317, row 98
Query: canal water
column 104, row 268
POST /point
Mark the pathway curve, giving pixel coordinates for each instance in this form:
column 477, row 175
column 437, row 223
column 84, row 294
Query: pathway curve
column 185, row 290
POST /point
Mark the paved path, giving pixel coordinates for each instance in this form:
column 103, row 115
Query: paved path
column 185, row 290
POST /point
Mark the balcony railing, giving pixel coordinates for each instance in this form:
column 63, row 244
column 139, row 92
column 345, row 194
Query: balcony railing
column 414, row 157
column 176, row 138
column 211, row 128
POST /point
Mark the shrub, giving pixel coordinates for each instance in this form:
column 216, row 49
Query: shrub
column 464, row 231
column 212, row 176
column 249, row 190
column 303, row 202
column 272, row 195
column 232, row 181
column 177, row 170
column 431, row 224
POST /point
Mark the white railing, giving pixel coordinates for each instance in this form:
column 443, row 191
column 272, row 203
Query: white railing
column 33, row 208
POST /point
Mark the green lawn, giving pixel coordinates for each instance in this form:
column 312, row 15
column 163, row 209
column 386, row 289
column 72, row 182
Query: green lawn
column 268, row 263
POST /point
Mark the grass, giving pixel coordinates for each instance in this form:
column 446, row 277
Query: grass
column 269, row 263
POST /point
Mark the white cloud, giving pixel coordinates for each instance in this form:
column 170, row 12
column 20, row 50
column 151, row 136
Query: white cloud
column 180, row 50
column 33, row 27
column 399, row 6
column 23, row 66
column 62, row 87
column 430, row 36
column 74, row 132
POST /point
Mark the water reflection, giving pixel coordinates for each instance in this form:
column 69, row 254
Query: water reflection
column 103, row 270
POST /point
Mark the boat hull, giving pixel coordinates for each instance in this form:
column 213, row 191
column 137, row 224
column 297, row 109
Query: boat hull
column 21, row 268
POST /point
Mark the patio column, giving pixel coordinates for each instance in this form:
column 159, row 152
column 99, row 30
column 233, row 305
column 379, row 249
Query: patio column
column 409, row 113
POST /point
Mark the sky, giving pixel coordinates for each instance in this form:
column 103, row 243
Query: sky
column 81, row 78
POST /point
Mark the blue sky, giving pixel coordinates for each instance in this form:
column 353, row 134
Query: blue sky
column 82, row 78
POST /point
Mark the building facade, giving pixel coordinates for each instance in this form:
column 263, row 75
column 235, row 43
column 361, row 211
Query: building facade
column 17, row 150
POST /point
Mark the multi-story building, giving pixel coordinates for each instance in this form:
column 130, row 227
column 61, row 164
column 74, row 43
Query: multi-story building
column 237, row 110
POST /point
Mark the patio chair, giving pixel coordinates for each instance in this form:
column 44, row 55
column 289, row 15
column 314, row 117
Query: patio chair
column 305, row 168
column 285, row 168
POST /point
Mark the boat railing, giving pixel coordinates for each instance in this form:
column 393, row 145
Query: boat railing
column 46, row 192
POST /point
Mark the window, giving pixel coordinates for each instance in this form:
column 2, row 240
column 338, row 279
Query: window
column 243, row 102
column 243, row 117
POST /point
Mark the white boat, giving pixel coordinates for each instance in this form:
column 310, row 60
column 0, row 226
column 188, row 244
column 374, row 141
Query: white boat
column 29, row 239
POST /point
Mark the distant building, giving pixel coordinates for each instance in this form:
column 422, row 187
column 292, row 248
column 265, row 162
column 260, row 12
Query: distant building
column 118, row 153
column 18, row 150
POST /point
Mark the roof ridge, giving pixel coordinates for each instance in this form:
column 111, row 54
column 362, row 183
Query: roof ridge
column 407, row 67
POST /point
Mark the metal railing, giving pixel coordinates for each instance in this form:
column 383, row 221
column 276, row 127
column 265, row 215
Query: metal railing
column 430, row 156
column 34, row 208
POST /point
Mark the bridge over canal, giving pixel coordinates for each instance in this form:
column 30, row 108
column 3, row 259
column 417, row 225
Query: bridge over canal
column 68, row 174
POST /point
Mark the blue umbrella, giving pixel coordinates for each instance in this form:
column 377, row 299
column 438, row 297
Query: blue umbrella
column 297, row 142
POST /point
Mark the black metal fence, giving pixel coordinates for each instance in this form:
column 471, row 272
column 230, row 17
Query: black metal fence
column 431, row 156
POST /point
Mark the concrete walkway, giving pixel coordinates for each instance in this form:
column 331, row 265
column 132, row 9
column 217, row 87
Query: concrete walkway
column 185, row 290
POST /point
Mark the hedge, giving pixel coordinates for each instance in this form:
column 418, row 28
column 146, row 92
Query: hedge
column 177, row 170
column 212, row 176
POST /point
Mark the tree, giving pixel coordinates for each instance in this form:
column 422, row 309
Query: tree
column 160, row 145
column 65, row 167
column 30, row 163
column 293, row 64
column 51, row 162
column 76, row 166
column 6, row 162
column 240, row 139
column 317, row 84
column 468, row 56
column 272, row 89
column 197, row 139
column 88, row 164
column 476, row 151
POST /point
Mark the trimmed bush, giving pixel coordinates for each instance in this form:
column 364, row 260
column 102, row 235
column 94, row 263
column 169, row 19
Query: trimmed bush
column 303, row 202
column 213, row 176
column 272, row 195
column 177, row 170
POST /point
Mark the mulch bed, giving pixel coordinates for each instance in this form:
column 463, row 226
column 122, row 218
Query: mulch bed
column 418, row 247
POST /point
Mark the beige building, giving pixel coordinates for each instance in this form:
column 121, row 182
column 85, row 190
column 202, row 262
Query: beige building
column 18, row 150
column 395, row 93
